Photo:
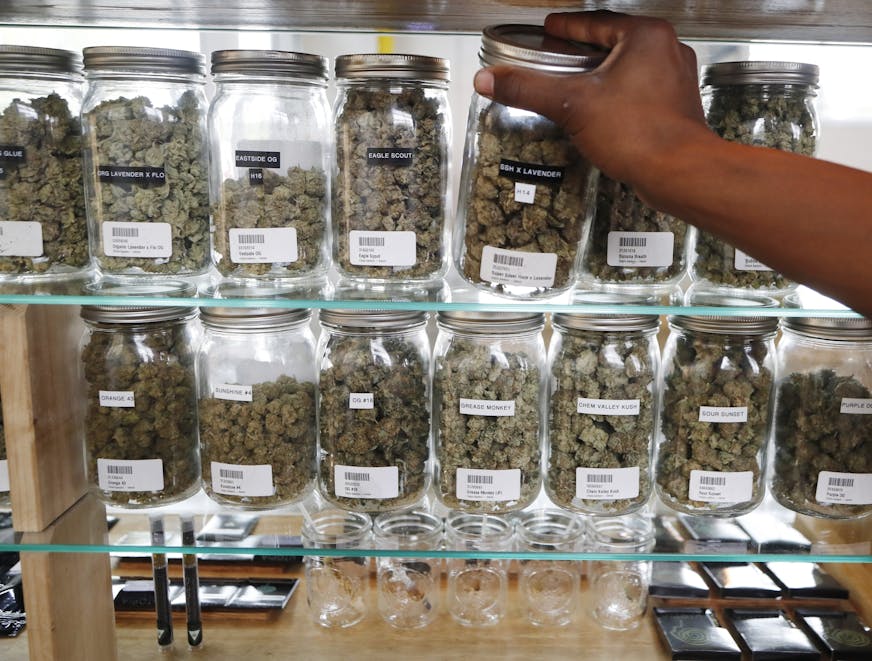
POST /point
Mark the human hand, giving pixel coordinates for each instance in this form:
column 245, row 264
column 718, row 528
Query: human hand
column 637, row 107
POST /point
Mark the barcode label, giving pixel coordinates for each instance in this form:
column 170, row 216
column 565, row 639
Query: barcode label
column 606, row 483
column 232, row 392
column 151, row 240
column 246, row 480
column 269, row 245
column 4, row 475
column 608, row 406
column 856, row 406
column 721, row 487
column 124, row 399
column 372, row 482
column 361, row 401
column 514, row 267
column 488, row 485
column 19, row 238
column 382, row 248
column 723, row 414
column 744, row 262
column 638, row 249
column 495, row 408
column 844, row 488
column 130, row 475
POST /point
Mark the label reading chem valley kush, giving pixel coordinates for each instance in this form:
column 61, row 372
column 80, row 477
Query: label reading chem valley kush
column 844, row 488
column 515, row 267
column 152, row 240
column 255, row 481
column 606, row 483
column 20, row 238
column 374, row 482
column 130, row 475
column 489, row 407
column 381, row 248
column 721, row 487
column 117, row 399
column 263, row 246
column 488, row 485
column 608, row 406
column 232, row 392
column 632, row 249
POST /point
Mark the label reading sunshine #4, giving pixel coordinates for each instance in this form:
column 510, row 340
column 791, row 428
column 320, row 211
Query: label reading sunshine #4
column 254, row 480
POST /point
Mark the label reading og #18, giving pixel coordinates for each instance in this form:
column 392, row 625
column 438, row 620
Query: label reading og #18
column 844, row 488
column 721, row 486
column 376, row 482
column 488, row 485
column 130, row 475
column 253, row 480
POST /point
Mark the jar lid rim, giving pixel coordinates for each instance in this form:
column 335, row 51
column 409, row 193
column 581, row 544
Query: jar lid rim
column 392, row 65
column 759, row 71
column 143, row 58
column 38, row 59
column 530, row 46
column 269, row 62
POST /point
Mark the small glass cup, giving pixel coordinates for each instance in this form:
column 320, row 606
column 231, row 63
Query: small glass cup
column 477, row 589
column 549, row 588
column 408, row 588
column 337, row 586
column 620, row 587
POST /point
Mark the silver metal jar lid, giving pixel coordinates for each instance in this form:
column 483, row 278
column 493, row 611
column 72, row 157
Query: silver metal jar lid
column 727, row 324
column 33, row 59
column 831, row 328
column 139, row 314
column 143, row 59
column 270, row 63
column 490, row 323
column 530, row 46
column 243, row 318
column 760, row 72
column 390, row 65
column 608, row 321
column 372, row 319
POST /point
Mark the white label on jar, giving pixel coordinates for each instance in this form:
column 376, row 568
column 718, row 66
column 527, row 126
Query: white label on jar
column 723, row 414
column 130, row 475
column 490, row 407
column 513, row 267
column 640, row 248
column 263, row 246
column 137, row 239
column 361, row 400
column 744, row 262
column 242, row 480
column 374, row 482
column 721, row 487
column 20, row 238
column 382, row 248
column 855, row 406
column 123, row 399
column 525, row 193
column 844, row 488
column 4, row 475
column 232, row 392
column 607, row 483
column 608, row 406
column 489, row 485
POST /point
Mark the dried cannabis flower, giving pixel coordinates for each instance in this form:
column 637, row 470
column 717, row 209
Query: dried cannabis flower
column 295, row 200
column 392, row 172
column 276, row 428
column 813, row 435
column 709, row 370
column 393, row 431
column 45, row 185
column 600, row 366
column 470, row 370
column 156, row 365
column 164, row 151
column 619, row 210
column 553, row 222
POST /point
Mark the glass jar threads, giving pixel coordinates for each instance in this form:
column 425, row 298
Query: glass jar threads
column 390, row 188
column 488, row 392
column 43, row 228
column 141, row 442
column 374, row 404
column 270, row 135
column 526, row 194
column 257, row 384
column 767, row 104
column 822, row 427
column 717, row 378
column 146, row 160
column 603, row 371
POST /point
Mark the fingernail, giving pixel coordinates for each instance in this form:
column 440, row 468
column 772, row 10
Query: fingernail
column 484, row 83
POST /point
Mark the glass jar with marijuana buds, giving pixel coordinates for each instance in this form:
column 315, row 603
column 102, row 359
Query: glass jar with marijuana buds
column 269, row 129
column 374, row 409
column 488, row 409
column 146, row 160
column 822, row 427
column 526, row 194
column 717, row 380
column 603, row 372
column 767, row 104
column 256, row 382
column 391, row 199
column 43, row 228
column 141, row 404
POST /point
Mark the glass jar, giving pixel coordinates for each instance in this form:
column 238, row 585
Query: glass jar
column 256, row 385
column 822, row 427
column 141, row 442
column 269, row 133
column 603, row 372
column 526, row 194
column 717, row 378
column 374, row 409
column 390, row 189
column 488, row 409
column 146, row 160
column 767, row 104
column 43, row 229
